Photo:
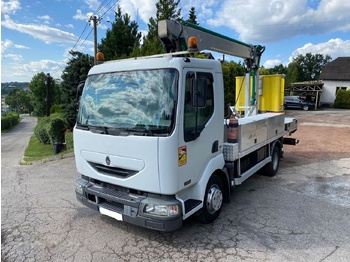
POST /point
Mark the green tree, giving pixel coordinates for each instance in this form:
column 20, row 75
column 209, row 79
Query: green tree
column 38, row 89
column 122, row 39
column 11, row 99
column 293, row 74
column 166, row 9
column 230, row 71
column 56, row 96
column 75, row 72
column 192, row 18
column 310, row 66
column 342, row 100
column 25, row 101
column 278, row 69
column 264, row 71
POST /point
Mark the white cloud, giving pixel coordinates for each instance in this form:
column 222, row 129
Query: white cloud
column 80, row 16
column 273, row 20
column 142, row 10
column 10, row 6
column 102, row 26
column 21, row 46
column 39, row 66
column 45, row 17
column 139, row 9
column 93, row 4
column 41, row 32
column 14, row 57
column 272, row 63
column 70, row 26
column 20, row 72
column 7, row 44
column 204, row 9
column 334, row 47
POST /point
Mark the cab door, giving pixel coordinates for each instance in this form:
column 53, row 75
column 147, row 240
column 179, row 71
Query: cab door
column 199, row 139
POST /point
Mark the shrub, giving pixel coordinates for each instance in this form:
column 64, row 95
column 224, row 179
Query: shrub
column 9, row 120
column 56, row 109
column 342, row 100
column 40, row 131
column 50, row 130
column 69, row 140
column 56, row 129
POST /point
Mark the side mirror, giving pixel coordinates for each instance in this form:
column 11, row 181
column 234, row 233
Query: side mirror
column 80, row 89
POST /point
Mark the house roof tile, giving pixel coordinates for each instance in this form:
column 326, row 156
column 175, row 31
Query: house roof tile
column 338, row 69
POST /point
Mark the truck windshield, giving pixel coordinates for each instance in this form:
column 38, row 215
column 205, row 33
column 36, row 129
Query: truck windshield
column 133, row 100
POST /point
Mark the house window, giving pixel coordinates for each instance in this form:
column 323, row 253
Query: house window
column 340, row 87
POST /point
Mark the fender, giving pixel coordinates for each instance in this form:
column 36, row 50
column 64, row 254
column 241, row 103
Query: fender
column 272, row 146
column 197, row 191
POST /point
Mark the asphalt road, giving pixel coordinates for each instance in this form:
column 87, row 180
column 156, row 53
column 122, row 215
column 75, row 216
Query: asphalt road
column 302, row 214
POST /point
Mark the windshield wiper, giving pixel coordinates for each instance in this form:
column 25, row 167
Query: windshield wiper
column 141, row 131
column 83, row 127
column 98, row 129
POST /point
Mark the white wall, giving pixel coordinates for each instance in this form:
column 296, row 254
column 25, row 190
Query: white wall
column 329, row 89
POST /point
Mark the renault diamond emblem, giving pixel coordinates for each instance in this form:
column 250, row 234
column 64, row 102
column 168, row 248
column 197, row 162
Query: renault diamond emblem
column 108, row 161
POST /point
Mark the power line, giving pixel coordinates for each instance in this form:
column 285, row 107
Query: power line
column 60, row 67
column 99, row 8
column 109, row 9
column 103, row 5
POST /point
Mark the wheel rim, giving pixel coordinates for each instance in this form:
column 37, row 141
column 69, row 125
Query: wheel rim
column 214, row 199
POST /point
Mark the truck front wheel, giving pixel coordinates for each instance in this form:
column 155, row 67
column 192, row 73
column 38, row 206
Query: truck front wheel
column 213, row 200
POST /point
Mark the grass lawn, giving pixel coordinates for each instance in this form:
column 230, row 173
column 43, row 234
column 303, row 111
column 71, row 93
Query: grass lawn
column 39, row 151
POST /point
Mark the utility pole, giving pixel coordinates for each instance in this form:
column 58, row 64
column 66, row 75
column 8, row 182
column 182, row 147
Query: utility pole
column 48, row 86
column 95, row 22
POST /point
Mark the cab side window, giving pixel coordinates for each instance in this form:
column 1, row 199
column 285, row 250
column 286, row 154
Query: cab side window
column 199, row 103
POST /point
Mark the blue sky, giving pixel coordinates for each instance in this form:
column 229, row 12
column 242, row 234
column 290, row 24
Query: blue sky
column 36, row 35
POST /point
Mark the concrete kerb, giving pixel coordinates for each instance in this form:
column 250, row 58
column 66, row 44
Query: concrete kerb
column 51, row 158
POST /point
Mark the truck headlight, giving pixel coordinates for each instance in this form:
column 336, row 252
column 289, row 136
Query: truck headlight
column 161, row 210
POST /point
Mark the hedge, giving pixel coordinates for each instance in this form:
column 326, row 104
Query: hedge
column 342, row 100
column 40, row 130
column 69, row 140
column 50, row 130
column 56, row 129
column 9, row 120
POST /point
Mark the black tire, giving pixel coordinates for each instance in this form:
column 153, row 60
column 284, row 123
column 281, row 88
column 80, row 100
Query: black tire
column 271, row 168
column 213, row 200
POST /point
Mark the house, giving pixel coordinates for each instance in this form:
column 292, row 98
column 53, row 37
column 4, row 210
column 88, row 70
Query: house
column 335, row 75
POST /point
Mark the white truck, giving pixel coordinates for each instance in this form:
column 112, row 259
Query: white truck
column 151, row 142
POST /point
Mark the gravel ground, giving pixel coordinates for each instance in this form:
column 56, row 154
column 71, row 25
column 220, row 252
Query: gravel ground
column 323, row 135
column 301, row 214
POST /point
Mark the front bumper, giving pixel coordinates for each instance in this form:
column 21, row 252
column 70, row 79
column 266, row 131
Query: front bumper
column 125, row 206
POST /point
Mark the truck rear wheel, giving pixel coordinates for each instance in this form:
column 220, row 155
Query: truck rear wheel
column 271, row 168
column 213, row 200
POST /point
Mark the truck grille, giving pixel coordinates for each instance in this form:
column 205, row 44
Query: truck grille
column 113, row 171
